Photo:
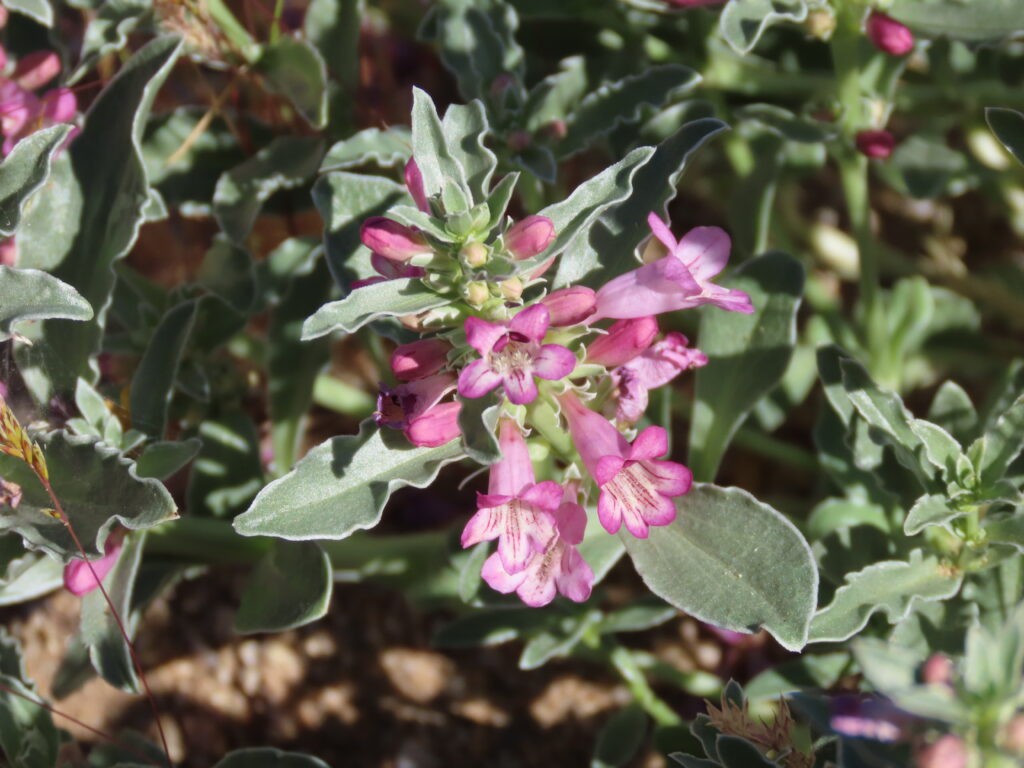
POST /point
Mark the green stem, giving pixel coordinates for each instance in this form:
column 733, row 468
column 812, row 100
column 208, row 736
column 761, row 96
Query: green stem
column 622, row 659
column 853, row 174
column 275, row 27
column 236, row 34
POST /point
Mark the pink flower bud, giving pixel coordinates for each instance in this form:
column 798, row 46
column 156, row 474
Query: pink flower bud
column 519, row 140
column 437, row 426
column 414, row 183
column 937, row 670
column 876, row 144
column 529, row 237
column 556, row 130
column 392, row 240
column 570, row 306
column 947, row 752
column 36, row 69
column 419, row 359
column 889, row 35
column 78, row 576
column 8, row 252
column 625, row 340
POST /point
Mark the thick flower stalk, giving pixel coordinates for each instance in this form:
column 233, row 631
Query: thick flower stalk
column 557, row 372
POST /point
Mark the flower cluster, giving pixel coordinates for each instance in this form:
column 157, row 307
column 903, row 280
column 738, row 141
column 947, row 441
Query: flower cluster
column 573, row 362
column 23, row 112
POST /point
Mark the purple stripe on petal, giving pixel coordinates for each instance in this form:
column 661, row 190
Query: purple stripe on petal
column 476, row 379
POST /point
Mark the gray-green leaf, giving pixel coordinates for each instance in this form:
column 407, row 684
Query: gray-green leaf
column 391, row 298
column 24, row 170
column 30, row 294
column 732, row 561
column 737, row 344
column 341, row 486
column 289, row 587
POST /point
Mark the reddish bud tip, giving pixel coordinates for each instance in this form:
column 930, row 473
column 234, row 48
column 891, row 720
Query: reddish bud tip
column 392, row 240
column 36, row 69
column 889, row 35
column 570, row 306
column 529, row 237
column 419, row 359
column 625, row 340
column 414, row 183
column 519, row 140
column 937, row 670
column 876, row 144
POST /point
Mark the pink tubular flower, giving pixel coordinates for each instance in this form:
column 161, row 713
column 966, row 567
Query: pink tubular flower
column 414, row 183
column 512, row 355
column 529, row 237
column 419, row 358
column 875, row 144
column 636, row 488
column 657, row 366
column 570, row 306
column 560, row 568
column 516, row 510
column 392, row 240
column 78, row 576
column 416, row 408
column 625, row 340
column 680, row 280
column 889, row 35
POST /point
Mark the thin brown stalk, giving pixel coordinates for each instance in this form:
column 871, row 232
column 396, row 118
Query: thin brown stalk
column 95, row 731
column 113, row 611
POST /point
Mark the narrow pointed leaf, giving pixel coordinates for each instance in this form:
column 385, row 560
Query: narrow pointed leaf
column 737, row 344
column 893, row 587
column 24, row 170
column 392, row 298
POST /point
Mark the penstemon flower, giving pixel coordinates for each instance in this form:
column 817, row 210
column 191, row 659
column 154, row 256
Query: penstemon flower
column 513, row 355
column 517, row 510
column 501, row 331
column 636, row 488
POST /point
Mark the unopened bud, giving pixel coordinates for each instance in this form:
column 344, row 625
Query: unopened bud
column 474, row 254
column 556, row 130
column 477, row 293
column 570, row 306
column 947, row 752
column 8, row 252
column 500, row 84
column 821, row 23
column 1013, row 735
column 419, row 359
column 529, row 237
column 512, row 288
column 392, row 240
column 414, row 183
column 519, row 140
column 937, row 670
column 875, row 144
column 625, row 340
column 889, row 35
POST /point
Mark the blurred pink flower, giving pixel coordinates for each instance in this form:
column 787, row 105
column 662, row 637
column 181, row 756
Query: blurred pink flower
column 21, row 111
column 875, row 144
column 655, row 367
